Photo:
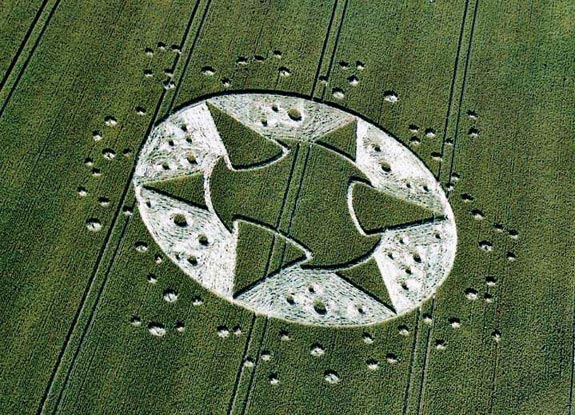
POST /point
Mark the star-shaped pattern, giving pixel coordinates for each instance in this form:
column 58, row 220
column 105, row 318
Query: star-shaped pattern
column 274, row 192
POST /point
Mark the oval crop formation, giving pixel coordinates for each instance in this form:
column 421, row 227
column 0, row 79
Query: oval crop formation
column 259, row 207
column 308, row 213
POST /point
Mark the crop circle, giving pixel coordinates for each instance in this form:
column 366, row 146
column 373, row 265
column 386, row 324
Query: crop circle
column 315, row 216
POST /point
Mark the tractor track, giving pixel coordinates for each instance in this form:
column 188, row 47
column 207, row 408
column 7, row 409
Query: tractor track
column 192, row 47
column 453, row 85
column 426, row 358
column 241, row 367
column 463, row 85
column 240, row 370
column 58, row 119
column 323, row 49
column 412, row 357
column 302, row 175
column 20, row 49
column 448, row 117
column 251, row 383
column 101, row 255
column 83, row 299
column 335, row 47
column 27, row 37
column 502, row 276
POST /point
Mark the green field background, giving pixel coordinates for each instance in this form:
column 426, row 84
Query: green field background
column 67, row 295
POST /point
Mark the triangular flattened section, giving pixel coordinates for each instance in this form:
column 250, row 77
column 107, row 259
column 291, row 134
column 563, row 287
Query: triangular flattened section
column 252, row 253
column 189, row 189
column 292, row 254
column 376, row 210
column 367, row 277
column 261, row 253
column 342, row 139
column 285, row 254
column 277, row 254
column 245, row 147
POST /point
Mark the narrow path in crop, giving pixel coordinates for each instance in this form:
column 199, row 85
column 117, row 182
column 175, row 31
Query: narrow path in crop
column 412, row 357
column 33, row 38
column 486, row 318
column 464, row 82
column 106, row 248
column 453, row 85
column 86, row 293
column 496, row 347
column 242, row 365
column 156, row 116
column 85, row 98
column 23, row 44
column 462, row 89
column 301, row 159
column 93, row 308
column 495, row 356
column 335, row 47
column 233, row 408
column 423, row 379
column 246, row 374
column 463, row 47
column 306, row 148
column 47, row 391
column 324, row 48
column 251, row 382
column 251, row 377
column 493, row 378
column 192, row 48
